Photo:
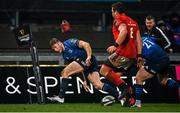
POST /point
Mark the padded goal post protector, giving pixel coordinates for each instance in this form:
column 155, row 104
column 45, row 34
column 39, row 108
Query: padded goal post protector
column 23, row 35
column 178, row 77
column 178, row 72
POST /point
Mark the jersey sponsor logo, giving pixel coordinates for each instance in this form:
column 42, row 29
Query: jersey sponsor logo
column 67, row 58
column 73, row 41
column 70, row 51
column 132, row 25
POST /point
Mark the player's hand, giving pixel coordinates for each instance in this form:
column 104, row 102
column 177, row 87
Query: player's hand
column 111, row 49
column 88, row 61
column 140, row 62
column 86, row 87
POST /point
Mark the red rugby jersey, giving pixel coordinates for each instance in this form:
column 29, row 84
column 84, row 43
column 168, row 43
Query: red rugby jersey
column 128, row 47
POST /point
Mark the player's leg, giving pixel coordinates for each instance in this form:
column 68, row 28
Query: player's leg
column 94, row 78
column 166, row 81
column 117, row 62
column 141, row 76
column 163, row 75
column 115, row 78
column 69, row 70
column 111, row 75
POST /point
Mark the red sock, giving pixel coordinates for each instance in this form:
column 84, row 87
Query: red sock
column 115, row 78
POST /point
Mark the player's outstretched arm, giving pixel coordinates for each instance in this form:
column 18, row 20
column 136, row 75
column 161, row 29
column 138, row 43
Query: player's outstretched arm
column 86, row 46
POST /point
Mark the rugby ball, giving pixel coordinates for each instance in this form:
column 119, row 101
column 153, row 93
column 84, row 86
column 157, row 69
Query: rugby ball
column 107, row 100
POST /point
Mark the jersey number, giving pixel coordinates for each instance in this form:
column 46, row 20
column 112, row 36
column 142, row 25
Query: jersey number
column 131, row 32
column 148, row 43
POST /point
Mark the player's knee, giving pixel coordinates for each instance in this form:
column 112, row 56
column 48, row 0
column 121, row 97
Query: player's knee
column 97, row 86
column 163, row 82
column 103, row 70
column 64, row 74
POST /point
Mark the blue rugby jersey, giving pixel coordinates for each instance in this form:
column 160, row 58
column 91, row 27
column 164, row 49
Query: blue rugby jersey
column 72, row 50
column 151, row 51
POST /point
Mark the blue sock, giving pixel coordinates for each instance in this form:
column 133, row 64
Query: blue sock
column 63, row 87
column 112, row 91
column 172, row 83
column 138, row 91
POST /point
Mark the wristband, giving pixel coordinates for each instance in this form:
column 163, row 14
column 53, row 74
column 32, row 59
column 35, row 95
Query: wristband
column 116, row 44
column 139, row 55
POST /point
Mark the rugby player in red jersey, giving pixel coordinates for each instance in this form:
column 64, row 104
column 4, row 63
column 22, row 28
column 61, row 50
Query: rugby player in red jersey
column 126, row 49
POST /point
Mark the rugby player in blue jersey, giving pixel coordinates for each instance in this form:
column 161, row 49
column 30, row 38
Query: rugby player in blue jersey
column 79, row 54
column 156, row 63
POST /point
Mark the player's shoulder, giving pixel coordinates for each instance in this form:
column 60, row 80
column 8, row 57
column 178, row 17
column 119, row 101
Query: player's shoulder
column 126, row 19
column 72, row 41
column 121, row 17
column 132, row 21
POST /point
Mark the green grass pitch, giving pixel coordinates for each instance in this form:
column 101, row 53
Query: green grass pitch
column 87, row 107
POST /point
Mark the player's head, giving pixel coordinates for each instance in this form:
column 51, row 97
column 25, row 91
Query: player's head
column 150, row 22
column 56, row 45
column 117, row 8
